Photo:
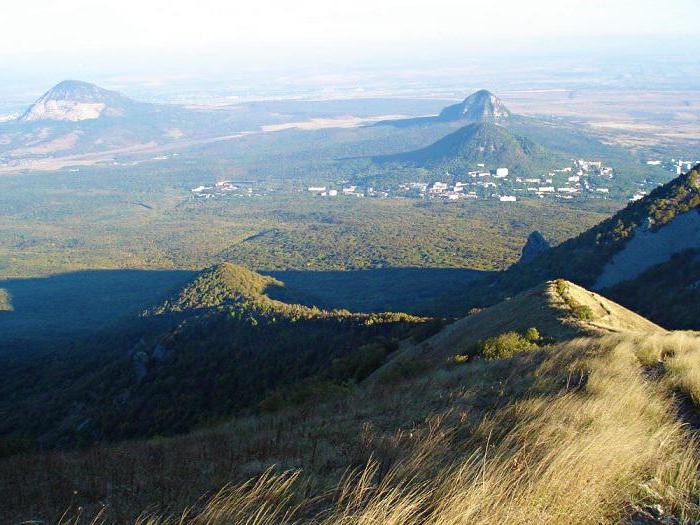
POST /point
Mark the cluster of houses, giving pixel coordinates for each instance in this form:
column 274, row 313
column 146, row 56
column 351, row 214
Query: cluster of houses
column 675, row 166
column 582, row 177
column 349, row 191
column 226, row 187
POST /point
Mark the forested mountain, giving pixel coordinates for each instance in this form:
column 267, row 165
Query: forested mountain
column 219, row 346
column 477, row 144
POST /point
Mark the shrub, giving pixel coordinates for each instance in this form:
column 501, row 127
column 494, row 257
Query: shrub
column 562, row 286
column 583, row 312
column 504, row 346
column 533, row 335
column 457, row 360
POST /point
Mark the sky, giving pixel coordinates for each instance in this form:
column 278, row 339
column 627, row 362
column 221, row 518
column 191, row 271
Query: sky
column 118, row 42
column 265, row 28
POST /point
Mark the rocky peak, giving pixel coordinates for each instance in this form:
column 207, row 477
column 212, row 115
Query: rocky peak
column 73, row 101
column 481, row 106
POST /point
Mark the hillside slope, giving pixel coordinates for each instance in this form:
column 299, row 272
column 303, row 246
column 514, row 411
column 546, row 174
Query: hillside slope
column 639, row 239
column 552, row 308
column 479, row 144
column 558, row 310
column 668, row 292
column 586, row 430
column 219, row 346
column 76, row 122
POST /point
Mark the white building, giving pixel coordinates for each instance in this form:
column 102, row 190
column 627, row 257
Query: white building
column 317, row 189
column 420, row 186
column 501, row 172
column 507, row 198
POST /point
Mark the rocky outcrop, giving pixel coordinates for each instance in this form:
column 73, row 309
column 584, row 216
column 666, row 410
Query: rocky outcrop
column 482, row 106
column 536, row 244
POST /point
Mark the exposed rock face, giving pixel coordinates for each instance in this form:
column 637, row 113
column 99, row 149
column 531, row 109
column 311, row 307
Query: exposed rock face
column 536, row 244
column 648, row 248
column 482, row 106
column 73, row 101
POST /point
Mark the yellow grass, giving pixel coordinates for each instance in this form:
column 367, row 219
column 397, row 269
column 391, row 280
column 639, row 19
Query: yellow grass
column 593, row 439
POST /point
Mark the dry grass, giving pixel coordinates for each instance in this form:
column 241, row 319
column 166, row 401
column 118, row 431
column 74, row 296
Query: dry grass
column 579, row 433
column 678, row 358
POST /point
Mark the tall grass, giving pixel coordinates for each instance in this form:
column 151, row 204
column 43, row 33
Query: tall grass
column 599, row 448
column 579, row 433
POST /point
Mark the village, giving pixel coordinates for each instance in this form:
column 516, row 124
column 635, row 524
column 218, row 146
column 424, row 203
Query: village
column 224, row 188
column 584, row 178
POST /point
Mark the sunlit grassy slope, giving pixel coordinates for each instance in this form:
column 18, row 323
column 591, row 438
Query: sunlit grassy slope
column 593, row 425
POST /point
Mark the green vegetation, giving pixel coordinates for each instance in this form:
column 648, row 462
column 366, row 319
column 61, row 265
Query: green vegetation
column 360, row 254
column 508, row 344
column 502, row 346
column 333, row 417
column 220, row 346
column 481, row 143
column 582, row 312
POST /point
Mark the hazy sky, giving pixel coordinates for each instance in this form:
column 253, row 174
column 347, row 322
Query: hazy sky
column 84, row 27
column 264, row 43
